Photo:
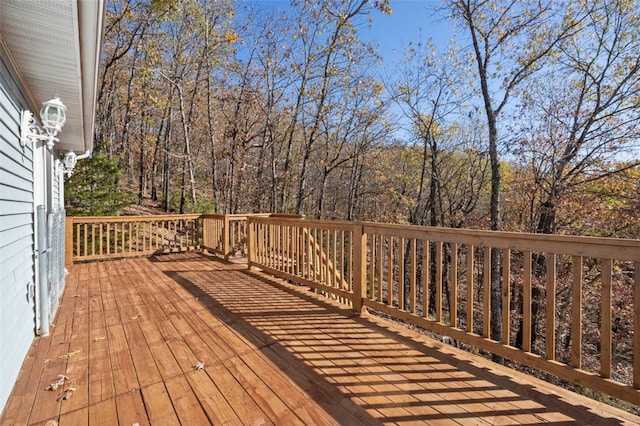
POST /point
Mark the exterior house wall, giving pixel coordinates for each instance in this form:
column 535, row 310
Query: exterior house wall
column 56, row 190
column 31, row 182
column 17, row 242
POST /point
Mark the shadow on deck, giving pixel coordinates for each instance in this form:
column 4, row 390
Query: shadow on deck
column 130, row 332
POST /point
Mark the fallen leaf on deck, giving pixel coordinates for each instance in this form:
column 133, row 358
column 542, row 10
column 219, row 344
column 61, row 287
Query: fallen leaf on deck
column 56, row 384
column 70, row 355
column 99, row 338
column 65, row 395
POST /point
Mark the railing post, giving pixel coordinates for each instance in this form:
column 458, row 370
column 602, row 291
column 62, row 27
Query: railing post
column 359, row 267
column 205, row 233
column 225, row 237
column 251, row 243
column 68, row 242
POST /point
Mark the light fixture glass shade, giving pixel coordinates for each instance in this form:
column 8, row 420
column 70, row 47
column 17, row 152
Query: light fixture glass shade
column 70, row 159
column 53, row 115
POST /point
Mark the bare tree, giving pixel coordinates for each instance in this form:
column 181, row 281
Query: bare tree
column 590, row 114
column 510, row 40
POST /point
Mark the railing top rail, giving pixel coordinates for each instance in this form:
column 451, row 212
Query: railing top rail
column 506, row 239
column 141, row 218
column 605, row 248
column 306, row 223
column 237, row 216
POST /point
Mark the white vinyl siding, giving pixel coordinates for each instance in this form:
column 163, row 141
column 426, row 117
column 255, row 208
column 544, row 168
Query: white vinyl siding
column 17, row 261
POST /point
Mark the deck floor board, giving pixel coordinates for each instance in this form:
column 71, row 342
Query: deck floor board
column 272, row 353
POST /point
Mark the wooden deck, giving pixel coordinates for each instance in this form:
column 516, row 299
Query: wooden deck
column 129, row 333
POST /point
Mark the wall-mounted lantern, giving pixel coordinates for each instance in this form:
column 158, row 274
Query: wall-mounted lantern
column 53, row 115
column 70, row 159
column 69, row 162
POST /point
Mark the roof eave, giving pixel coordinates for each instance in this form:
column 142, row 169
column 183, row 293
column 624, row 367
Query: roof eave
column 55, row 48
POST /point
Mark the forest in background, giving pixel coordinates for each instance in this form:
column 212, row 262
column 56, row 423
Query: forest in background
column 527, row 120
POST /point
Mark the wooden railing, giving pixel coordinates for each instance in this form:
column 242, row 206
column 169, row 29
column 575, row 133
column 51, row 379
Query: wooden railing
column 225, row 234
column 97, row 238
column 110, row 237
column 314, row 253
column 569, row 305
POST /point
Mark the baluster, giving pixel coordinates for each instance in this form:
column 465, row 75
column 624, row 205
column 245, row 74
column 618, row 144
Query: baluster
column 636, row 325
column 486, row 272
column 605, row 322
column 438, row 261
column 412, row 276
column 526, row 301
column 470, row 290
column 506, row 296
column 576, row 312
column 390, row 272
column 551, row 307
column 453, row 308
column 401, row 273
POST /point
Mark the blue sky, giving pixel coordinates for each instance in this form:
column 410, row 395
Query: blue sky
column 410, row 21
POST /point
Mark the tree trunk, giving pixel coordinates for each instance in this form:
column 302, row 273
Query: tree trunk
column 156, row 156
column 141, row 160
column 183, row 184
column 187, row 149
column 354, row 184
column 323, row 190
column 166, row 174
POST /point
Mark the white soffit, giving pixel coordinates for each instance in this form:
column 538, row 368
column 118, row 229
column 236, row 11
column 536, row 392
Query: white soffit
column 55, row 47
